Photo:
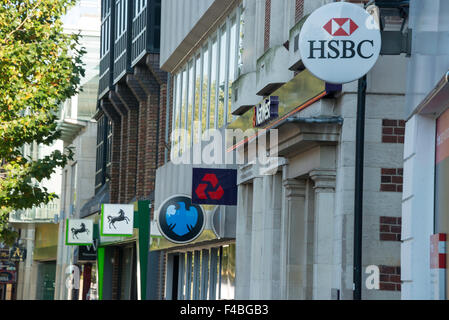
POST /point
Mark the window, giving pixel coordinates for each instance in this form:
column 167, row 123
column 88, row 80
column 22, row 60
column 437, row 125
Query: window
column 207, row 274
column 197, row 110
column 203, row 87
column 205, row 96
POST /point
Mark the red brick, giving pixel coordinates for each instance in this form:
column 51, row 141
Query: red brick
column 389, row 139
column 399, row 188
column 399, row 131
column 401, row 139
column 395, row 229
column 388, row 220
column 397, row 179
column 267, row 24
column 395, row 278
column 388, row 187
column 401, row 123
column 384, row 228
column 387, row 171
column 387, row 130
column 388, row 237
column 299, row 10
column 387, row 269
column 384, row 278
column 385, row 179
column 389, row 123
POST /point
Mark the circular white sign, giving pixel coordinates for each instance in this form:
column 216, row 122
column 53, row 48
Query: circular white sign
column 339, row 42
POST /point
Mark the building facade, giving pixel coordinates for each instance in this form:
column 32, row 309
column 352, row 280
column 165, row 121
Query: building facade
column 130, row 118
column 291, row 234
column 424, row 204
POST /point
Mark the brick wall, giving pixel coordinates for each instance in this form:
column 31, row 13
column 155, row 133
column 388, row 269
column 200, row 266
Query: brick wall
column 140, row 192
column 162, row 124
column 299, row 10
column 390, row 278
column 391, row 179
column 123, row 158
column 393, row 131
column 131, row 155
column 390, row 229
column 267, row 24
column 138, row 141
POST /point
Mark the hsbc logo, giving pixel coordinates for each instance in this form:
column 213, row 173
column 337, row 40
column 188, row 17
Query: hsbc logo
column 339, row 42
column 340, row 27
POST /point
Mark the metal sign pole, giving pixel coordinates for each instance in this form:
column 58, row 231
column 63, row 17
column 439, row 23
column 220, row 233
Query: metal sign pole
column 358, row 191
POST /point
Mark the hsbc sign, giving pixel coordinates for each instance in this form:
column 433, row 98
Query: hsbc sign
column 340, row 42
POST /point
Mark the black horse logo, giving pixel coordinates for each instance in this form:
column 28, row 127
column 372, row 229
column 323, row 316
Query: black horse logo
column 121, row 217
column 82, row 229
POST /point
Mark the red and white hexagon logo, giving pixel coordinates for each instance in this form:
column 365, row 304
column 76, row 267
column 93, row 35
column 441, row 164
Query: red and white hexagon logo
column 340, row 26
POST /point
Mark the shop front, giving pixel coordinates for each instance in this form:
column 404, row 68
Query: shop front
column 44, row 256
column 198, row 262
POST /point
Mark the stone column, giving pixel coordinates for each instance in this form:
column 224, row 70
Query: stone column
column 265, row 240
column 257, row 232
column 323, row 267
column 293, row 250
column 243, row 241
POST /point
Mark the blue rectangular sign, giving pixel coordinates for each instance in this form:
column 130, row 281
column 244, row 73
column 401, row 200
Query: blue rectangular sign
column 214, row 186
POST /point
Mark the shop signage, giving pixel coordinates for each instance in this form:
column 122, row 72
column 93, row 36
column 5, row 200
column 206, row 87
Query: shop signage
column 17, row 253
column 88, row 253
column 214, row 186
column 179, row 220
column 266, row 111
column 340, row 42
column 79, row 232
column 7, row 276
column 4, row 254
column 438, row 266
column 117, row 220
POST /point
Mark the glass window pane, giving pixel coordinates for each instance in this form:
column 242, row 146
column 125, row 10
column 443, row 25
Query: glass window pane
column 204, row 274
column 214, row 83
column 204, row 101
column 222, row 77
column 183, row 109
column 176, row 112
column 241, row 35
column 228, row 272
column 196, row 115
column 190, row 105
column 232, row 64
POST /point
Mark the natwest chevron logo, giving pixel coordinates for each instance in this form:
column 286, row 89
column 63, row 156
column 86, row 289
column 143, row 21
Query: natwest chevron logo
column 216, row 194
column 214, row 186
column 340, row 27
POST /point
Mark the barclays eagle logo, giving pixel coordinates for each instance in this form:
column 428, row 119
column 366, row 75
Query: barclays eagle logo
column 179, row 220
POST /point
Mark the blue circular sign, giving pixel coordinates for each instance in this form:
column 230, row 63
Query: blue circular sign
column 179, row 220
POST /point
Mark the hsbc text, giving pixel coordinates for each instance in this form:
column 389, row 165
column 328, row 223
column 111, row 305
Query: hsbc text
column 344, row 49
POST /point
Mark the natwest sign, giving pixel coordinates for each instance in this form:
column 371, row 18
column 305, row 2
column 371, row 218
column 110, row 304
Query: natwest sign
column 340, row 42
column 266, row 111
